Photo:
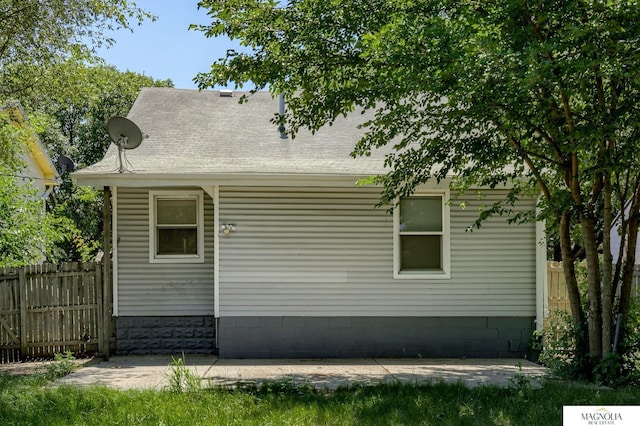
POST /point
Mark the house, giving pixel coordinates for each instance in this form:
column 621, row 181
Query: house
column 230, row 238
column 39, row 169
column 615, row 241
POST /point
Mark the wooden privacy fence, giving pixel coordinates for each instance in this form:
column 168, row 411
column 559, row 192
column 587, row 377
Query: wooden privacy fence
column 558, row 298
column 48, row 309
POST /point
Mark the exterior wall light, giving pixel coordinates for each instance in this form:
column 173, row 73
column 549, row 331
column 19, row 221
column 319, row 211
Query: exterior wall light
column 227, row 228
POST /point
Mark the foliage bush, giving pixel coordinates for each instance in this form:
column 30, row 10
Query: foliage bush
column 61, row 366
column 558, row 351
column 558, row 344
column 28, row 234
column 630, row 346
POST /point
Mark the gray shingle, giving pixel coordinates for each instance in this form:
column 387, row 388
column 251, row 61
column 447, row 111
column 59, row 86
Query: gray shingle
column 201, row 132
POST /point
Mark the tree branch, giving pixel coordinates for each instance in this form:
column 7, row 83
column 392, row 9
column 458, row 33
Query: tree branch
column 536, row 172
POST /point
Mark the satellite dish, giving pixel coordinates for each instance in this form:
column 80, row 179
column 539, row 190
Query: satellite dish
column 66, row 164
column 126, row 135
column 124, row 132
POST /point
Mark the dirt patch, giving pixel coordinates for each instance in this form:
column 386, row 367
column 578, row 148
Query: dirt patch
column 33, row 367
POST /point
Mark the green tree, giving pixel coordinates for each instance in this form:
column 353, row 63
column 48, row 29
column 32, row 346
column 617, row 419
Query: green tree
column 542, row 94
column 9, row 158
column 27, row 233
column 70, row 113
column 46, row 62
column 38, row 32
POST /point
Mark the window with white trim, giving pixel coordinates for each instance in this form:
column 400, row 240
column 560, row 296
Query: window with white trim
column 176, row 227
column 421, row 240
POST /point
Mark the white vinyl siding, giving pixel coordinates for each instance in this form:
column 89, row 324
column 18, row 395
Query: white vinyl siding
column 162, row 289
column 329, row 252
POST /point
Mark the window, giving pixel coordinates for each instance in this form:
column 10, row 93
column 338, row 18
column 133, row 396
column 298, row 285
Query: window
column 176, row 232
column 421, row 240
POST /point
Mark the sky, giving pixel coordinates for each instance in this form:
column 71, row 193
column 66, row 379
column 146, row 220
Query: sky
column 167, row 48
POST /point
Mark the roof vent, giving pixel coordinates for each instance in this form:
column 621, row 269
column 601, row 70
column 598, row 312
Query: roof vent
column 226, row 93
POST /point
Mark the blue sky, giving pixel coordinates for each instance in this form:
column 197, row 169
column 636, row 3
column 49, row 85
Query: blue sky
column 167, row 48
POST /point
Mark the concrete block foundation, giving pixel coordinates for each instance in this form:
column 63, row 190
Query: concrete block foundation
column 353, row 337
column 165, row 335
column 327, row 337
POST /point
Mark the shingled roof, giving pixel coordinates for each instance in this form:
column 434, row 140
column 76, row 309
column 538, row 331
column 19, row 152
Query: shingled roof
column 201, row 133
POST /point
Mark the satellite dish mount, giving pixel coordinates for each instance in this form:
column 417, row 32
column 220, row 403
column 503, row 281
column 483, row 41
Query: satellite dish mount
column 126, row 135
column 66, row 164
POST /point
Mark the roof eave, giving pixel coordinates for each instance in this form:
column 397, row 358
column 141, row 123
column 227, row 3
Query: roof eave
column 44, row 162
column 99, row 180
column 35, row 149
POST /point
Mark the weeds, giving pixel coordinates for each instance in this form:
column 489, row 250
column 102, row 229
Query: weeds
column 181, row 378
column 519, row 382
column 62, row 365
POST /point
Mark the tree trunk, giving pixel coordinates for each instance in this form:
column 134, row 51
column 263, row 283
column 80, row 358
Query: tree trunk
column 629, row 263
column 594, row 322
column 607, row 273
column 569, row 270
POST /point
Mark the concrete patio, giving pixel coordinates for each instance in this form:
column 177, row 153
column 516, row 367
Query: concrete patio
column 151, row 372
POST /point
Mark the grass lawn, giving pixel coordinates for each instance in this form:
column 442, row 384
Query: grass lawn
column 29, row 400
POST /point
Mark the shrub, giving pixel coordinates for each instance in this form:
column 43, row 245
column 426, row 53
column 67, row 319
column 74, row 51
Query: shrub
column 630, row 347
column 559, row 354
column 558, row 342
column 61, row 366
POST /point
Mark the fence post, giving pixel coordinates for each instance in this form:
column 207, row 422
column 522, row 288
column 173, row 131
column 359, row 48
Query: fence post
column 22, row 285
column 99, row 316
column 106, row 260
